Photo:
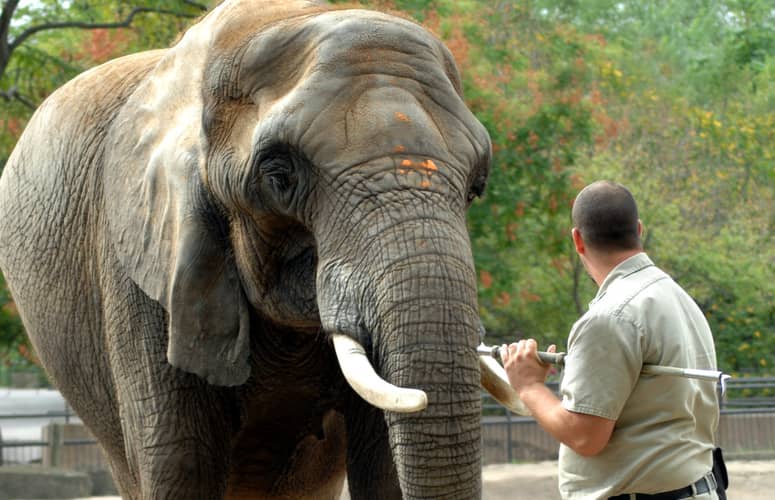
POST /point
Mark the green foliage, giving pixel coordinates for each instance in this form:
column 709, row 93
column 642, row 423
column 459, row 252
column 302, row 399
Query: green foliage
column 696, row 149
column 15, row 353
column 10, row 327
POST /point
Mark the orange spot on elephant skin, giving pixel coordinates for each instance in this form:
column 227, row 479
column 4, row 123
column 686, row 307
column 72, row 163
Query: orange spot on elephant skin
column 425, row 183
column 401, row 117
column 407, row 163
column 399, row 149
column 430, row 165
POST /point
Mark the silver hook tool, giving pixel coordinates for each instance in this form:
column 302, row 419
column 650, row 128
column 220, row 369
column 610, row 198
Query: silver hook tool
column 558, row 358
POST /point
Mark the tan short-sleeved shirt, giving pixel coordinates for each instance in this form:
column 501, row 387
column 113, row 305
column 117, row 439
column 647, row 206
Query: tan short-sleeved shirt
column 664, row 433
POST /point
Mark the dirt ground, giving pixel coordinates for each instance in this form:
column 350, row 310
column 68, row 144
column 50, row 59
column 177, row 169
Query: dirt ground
column 748, row 480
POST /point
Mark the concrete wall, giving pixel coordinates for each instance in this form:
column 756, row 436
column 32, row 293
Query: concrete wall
column 73, row 466
column 19, row 482
column 81, row 454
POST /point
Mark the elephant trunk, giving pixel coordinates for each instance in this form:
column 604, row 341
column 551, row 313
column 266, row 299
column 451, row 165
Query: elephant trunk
column 413, row 308
column 437, row 451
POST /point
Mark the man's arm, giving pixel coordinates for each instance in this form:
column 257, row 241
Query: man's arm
column 585, row 434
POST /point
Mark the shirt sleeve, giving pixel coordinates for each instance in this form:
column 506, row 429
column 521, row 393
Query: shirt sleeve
column 602, row 365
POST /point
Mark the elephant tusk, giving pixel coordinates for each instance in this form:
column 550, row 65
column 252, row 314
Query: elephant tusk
column 496, row 382
column 361, row 376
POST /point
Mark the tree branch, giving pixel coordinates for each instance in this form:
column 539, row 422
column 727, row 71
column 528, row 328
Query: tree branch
column 13, row 94
column 6, row 14
column 127, row 22
column 197, row 5
column 577, row 270
column 5, row 24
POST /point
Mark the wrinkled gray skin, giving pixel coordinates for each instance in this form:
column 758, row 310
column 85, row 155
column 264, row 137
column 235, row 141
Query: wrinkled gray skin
column 182, row 230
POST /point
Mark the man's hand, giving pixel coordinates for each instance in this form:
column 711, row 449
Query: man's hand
column 585, row 434
column 522, row 365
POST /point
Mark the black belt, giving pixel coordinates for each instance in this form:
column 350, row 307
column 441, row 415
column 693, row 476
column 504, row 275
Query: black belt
column 701, row 486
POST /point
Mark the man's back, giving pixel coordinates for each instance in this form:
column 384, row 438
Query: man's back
column 664, row 426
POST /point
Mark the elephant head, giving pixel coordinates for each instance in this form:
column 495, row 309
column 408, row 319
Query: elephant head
column 312, row 168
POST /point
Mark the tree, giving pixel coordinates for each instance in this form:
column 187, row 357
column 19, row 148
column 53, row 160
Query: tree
column 695, row 88
column 45, row 17
column 46, row 43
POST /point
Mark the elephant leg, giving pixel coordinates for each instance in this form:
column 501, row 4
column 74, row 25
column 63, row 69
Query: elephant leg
column 69, row 340
column 371, row 473
column 177, row 429
column 178, row 434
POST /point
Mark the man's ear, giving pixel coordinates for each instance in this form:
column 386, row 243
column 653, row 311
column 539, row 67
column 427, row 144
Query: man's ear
column 578, row 241
column 640, row 228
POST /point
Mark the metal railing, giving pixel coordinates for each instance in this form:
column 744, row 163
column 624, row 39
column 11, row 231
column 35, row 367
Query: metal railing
column 736, row 400
column 47, row 450
column 746, row 430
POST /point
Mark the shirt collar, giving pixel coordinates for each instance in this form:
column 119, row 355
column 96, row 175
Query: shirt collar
column 629, row 266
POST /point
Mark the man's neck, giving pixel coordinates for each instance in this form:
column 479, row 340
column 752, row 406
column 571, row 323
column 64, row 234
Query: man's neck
column 600, row 266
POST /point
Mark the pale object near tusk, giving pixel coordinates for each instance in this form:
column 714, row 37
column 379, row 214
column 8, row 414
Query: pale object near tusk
column 361, row 376
column 496, row 382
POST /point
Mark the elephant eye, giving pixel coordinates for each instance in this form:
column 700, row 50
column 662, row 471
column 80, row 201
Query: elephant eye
column 477, row 188
column 278, row 175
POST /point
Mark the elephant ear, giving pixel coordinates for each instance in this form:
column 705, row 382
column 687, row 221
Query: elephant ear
column 164, row 225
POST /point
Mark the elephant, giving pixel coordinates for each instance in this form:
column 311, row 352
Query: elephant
column 244, row 261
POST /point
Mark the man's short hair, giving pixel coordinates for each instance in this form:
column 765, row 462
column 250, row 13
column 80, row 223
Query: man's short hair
column 606, row 215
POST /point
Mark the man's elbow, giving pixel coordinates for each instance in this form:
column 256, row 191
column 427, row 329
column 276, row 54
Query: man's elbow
column 590, row 434
column 587, row 447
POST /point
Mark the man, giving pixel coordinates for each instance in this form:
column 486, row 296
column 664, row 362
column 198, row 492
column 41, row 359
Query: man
column 623, row 434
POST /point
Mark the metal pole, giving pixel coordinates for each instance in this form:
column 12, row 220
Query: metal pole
column 558, row 358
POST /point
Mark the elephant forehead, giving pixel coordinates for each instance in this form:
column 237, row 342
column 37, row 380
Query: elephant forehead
column 388, row 119
column 339, row 44
column 379, row 117
column 356, row 34
column 234, row 21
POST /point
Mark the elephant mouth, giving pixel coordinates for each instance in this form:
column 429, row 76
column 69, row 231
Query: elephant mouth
column 361, row 376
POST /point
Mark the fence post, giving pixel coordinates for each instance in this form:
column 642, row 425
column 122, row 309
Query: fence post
column 508, row 435
column 55, row 444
